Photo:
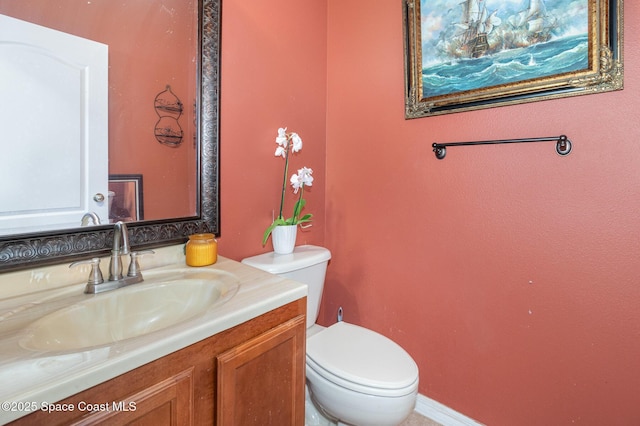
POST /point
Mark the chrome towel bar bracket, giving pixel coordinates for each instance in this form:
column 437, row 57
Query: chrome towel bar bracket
column 563, row 144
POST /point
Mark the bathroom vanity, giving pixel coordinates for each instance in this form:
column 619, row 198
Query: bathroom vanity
column 163, row 351
column 239, row 362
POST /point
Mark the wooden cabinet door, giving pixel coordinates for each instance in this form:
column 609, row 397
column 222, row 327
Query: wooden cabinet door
column 169, row 403
column 261, row 382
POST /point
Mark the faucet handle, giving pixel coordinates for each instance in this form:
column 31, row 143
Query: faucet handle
column 134, row 267
column 95, row 277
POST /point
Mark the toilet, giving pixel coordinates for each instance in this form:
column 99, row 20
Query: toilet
column 355, row 376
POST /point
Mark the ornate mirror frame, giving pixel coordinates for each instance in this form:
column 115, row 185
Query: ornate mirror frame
column 28, row 250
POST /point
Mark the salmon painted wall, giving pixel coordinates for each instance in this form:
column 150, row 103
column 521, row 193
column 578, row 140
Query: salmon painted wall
column 273, row 74
column 508, row 272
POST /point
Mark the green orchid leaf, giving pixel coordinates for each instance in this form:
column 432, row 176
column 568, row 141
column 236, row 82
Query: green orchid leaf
column 298, row 208
column 267, row 233
column 305, row 218
column 278, row 222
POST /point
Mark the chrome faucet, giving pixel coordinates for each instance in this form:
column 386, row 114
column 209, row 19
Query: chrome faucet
column 96, row 283
column 120, row 247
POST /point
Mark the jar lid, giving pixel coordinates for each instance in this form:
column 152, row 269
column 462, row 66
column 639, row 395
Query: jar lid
column 202, row 237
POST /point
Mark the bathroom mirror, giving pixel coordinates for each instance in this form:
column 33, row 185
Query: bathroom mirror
column 20, row 251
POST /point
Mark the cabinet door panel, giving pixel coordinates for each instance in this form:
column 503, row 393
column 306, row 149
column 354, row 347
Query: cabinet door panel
column 169, row 403
column 261, row 382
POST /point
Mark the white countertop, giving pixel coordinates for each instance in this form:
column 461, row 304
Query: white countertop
column 32, row 379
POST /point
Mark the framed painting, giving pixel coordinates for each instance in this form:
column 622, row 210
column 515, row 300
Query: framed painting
column 125, row 198
column 463, row 55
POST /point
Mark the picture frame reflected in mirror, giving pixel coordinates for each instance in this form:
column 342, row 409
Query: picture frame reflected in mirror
column 126, row 198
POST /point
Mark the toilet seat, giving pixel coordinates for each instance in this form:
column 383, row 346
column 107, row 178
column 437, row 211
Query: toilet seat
column 368, row 362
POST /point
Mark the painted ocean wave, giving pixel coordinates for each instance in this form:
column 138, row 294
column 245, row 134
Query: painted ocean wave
column 568, row 54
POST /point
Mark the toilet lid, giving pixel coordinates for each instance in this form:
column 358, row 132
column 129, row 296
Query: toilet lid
column 361, row 357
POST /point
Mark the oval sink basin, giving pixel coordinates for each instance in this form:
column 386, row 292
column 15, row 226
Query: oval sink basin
column 162, row 300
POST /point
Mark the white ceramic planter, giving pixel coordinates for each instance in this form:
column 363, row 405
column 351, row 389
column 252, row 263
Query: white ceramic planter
column 284, row 238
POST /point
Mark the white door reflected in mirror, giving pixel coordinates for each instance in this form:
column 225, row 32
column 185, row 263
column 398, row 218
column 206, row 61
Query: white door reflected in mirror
column 55, row 108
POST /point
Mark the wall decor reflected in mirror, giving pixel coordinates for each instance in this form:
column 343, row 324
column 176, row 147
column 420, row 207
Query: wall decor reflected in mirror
column 126, row 198
column 474, row 54
column 179, row 45
column 169, row 109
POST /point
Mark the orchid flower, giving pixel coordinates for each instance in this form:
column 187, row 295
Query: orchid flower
column 296, row 141
column 283, row 142
column 301, row 179
column 291, row 142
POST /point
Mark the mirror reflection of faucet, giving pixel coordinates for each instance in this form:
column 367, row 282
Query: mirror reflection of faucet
column 110, row 197
column 90, row 216
column 96, row 283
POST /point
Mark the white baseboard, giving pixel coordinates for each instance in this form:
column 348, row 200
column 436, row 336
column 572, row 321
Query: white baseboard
column 441, row 413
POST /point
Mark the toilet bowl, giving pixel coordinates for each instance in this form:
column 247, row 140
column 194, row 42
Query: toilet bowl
column 360, row 377
column 354, row 375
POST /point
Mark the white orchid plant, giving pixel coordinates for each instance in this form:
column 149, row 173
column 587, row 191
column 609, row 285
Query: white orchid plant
column 289, row 143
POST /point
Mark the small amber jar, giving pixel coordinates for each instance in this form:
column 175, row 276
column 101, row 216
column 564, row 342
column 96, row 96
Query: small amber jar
column 201, row 250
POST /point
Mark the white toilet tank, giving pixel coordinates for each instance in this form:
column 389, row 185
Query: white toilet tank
column 307, row 264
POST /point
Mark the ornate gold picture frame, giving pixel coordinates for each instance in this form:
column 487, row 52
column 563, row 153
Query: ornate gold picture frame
column 473, row 54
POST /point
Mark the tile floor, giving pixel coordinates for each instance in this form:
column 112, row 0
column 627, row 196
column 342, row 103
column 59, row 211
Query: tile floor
column 416, row 419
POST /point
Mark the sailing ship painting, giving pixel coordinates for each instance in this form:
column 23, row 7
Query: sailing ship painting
column 474, row 27
column 473, row 44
